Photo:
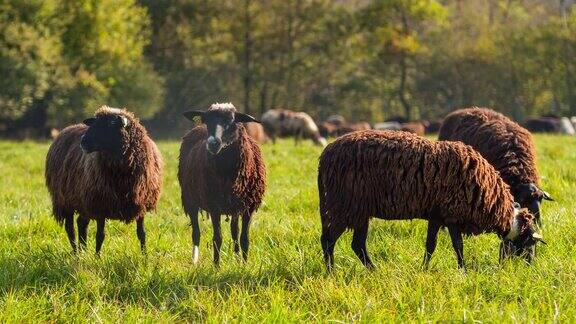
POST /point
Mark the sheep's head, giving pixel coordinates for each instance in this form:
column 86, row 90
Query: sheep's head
column 528, row 195
column 106, row 132
column 221, row 121
column 522, row 237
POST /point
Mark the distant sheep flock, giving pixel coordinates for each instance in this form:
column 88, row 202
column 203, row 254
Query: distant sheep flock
column 479, row 177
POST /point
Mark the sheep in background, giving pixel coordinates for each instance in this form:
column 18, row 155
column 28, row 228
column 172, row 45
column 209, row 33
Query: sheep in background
column 351, row 127
column 221, row 171
column 391, row 125
column 417, row 128
column 256, row 131
column 398, row 175
column 106, row 168
column 506, row 145
column 284, row 123
column 566, row 126
column 543, row 125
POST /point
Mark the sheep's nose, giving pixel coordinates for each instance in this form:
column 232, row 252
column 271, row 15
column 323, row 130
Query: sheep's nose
column 213, row 145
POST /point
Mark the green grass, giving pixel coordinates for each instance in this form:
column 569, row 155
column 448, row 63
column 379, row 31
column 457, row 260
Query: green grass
column 284, row 280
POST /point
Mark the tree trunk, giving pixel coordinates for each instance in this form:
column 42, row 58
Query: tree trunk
column 247, row 56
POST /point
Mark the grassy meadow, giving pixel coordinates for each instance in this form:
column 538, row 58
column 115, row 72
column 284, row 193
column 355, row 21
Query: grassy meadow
column 284, row 279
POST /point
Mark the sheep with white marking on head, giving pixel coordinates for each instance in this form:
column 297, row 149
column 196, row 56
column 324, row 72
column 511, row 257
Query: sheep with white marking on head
column 398, row 175
column 106, row 168
column 221, row 171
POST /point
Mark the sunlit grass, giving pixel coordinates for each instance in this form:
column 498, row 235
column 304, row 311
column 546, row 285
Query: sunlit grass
column 284, row 280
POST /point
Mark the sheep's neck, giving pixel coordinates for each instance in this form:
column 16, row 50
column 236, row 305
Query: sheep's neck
column 228, row 160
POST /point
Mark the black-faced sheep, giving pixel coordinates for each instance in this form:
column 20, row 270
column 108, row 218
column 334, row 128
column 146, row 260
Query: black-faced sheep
column 284, row 123
column 398, row 175
column 221, row 171
column 106, row 168
column 506, row 145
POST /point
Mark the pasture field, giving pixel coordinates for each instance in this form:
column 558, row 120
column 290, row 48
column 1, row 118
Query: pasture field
column 284, row 279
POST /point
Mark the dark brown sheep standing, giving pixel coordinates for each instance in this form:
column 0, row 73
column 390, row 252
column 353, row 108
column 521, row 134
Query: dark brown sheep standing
column 506, row 145
column 106, row 168
column 221, row 171
column 398, row 175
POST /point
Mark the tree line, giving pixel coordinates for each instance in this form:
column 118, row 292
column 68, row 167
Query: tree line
column 366, row 60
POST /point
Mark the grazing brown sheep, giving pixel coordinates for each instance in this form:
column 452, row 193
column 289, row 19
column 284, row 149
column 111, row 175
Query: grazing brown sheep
column 544, row 125
column 221, row 171
column 256, row 131
column 284, row 123
column 398, row 175
column 351, row 127
column 106, row 168
column 506, row 145
column 415, row 127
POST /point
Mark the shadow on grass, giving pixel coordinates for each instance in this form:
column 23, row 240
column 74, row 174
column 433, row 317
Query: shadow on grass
column 36, row 270
column 155, row 281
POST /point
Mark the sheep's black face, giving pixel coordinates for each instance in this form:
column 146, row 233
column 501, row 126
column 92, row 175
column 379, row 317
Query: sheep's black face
column 105, row 134
column 221, row 121
column 522, row 239
column 530, row 196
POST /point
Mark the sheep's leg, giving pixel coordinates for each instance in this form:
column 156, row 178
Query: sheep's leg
column 193, row 214
column 431, row 239
column 82, row 231
column 69, row 227
column 217, row 238
column 359, row 245
column 457, row 244
column 328, row 240
column 100, row 223
column 234, row 231
column 141, row 233
column 244, row 236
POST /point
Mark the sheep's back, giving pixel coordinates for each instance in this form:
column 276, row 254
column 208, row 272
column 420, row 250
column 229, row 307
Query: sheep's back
column 505, row 144
column 397, row 175
column 63, row 171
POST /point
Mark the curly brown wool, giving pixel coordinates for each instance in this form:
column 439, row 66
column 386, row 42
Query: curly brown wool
column 98, row 186
column 399, row 175
column 505, row 144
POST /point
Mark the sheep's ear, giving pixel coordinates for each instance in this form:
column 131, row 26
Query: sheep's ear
column 192, row 114
column 244, row 118
column 89, row 121
column 547, row 196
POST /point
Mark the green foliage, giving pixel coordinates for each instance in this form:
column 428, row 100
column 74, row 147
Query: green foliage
column 366, row 60
column 284, row 279
column 64, row 58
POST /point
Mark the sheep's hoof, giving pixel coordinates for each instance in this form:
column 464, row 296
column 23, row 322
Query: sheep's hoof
column 195, row 254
